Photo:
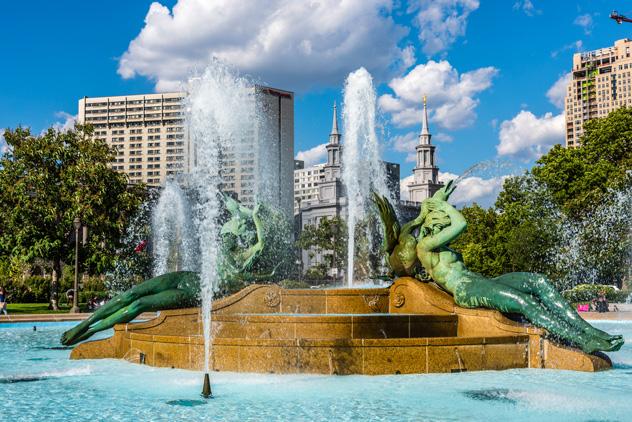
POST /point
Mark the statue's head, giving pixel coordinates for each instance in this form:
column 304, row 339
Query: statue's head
column 434, row 222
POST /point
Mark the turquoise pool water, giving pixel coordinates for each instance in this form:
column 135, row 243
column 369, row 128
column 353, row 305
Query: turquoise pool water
column 39, row 383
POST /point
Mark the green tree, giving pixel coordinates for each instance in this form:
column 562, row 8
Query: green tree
column 579, row 179
column 477, row 243
column 47, row 181
column 328, row 238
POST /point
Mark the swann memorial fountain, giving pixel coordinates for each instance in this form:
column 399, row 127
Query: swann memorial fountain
column 450, row 322
column 435, row 317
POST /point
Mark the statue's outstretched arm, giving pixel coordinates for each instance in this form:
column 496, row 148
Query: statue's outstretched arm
column 449, row 233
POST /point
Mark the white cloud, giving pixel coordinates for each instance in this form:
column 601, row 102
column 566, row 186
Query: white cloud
column 314, row 155
column 585, row 22
column 67, row 123
column 557, row 93
column 287, row 43
column 527, row 7
column 403, row 187
column 441, row 22
column 471, row 189
column 443, row 137
column 451, row 97
column 528, row 136
column 406, row 143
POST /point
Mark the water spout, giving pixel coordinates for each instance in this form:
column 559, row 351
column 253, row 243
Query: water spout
column 362, row 170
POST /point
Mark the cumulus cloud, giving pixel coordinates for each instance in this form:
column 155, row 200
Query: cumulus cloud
column 287, row 43
column 557, row 93
column 474, row 189
column 406, row 143
column 471, row 189
column 68, row 121
column 443, row 137
column 451, row 97
column 3, row 143
column 527, row 136
column 585, row 22
column 404, row 194
column 441, row 22
column 312, row 156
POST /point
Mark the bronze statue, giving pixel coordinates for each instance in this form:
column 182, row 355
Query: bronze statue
column 254, row 246
column 528, row 294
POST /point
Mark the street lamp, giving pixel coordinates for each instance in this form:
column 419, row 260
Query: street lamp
column 75, row 296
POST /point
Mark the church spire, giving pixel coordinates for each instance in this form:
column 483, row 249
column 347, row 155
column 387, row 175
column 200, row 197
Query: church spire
column 334, row 125
column 424, row 120
column 334, row 136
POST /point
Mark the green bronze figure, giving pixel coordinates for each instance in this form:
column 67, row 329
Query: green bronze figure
column 528, row 294
column 254, row 246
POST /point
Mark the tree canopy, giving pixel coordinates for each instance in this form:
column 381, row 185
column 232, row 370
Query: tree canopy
column 569, row 217
column 48, row 180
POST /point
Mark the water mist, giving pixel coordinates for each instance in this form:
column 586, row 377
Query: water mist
column 362, row 170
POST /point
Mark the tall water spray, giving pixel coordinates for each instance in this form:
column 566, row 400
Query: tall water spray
column 362, row 170
column 220, row 109
column 174, row 245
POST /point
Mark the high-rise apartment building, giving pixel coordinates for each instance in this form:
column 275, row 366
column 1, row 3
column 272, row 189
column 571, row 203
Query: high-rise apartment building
column 599, row 83
column 306, row 182
column 148, row 132
column 152, row 142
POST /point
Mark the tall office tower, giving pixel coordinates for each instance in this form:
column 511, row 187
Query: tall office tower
column 426, row 173
column 150, row 134
column 599, row 83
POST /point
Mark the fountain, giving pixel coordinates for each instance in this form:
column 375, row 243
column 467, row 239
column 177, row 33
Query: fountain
column 362, row 171
column 408, row 327
column 174, row 245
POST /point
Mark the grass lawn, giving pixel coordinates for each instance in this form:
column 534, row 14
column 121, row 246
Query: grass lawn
column 37, row 308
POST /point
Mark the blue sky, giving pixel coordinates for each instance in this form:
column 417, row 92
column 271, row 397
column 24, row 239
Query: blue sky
column 486, row 65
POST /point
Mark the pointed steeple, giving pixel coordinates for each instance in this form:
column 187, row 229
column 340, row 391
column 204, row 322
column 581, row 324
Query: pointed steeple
column 426, row 173
column 424, row 119
column 424, row 135
column 334, row 136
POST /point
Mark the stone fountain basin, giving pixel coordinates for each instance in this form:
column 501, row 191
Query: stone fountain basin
column 411, row 327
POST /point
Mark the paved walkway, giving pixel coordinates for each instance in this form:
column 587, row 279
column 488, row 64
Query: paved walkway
column 58, row 317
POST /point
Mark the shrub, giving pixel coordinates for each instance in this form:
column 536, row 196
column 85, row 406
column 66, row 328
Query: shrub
column 589, row 292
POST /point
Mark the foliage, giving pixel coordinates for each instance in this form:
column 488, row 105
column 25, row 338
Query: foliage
column 478, row 244
column 579, row 178
column 569, row 217
column 133, row 261
column 49, row 179
column 589, row 292
column 317, row 272
column 329, row 239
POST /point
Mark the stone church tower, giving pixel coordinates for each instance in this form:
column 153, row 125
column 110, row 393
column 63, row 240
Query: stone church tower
column 426, row 173
column 330, row 189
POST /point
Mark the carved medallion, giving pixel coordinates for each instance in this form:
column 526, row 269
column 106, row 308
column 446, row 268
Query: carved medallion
column 399, row 300
column 373, row 302
column 272, row 299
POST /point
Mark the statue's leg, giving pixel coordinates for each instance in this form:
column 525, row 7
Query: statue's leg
column 537, row 285
column 118, row 302
column 168, row 299
column 507, row 299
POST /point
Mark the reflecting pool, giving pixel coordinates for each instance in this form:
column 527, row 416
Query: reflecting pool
column 38, row 382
